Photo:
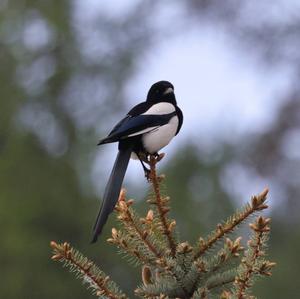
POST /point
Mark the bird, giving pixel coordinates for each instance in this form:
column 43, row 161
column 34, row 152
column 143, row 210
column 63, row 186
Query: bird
column 146, row 129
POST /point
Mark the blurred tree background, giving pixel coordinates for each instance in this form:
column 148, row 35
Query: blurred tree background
column 65, row 71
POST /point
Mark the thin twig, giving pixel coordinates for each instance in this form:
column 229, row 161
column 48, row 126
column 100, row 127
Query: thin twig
column 162, row 210
column 128, row 218
column 257, row 204
column 118, row 240
column 64, row 252
column 255, row 251
column 244, row 283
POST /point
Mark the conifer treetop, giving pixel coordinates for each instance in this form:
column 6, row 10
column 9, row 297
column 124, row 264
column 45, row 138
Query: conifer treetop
column 170, row 268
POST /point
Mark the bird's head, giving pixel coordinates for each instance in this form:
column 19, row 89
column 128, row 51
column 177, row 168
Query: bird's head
column 162, row 91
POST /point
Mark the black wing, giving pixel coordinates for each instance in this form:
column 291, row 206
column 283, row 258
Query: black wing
column 136, row 110
column 136, row 125
column 180, row 119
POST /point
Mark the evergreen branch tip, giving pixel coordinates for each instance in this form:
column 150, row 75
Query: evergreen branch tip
column 257, row 203
column 97, row 280
column 253, row 264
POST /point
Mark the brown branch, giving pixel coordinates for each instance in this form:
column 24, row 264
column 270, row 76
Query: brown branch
column 64, row 252
column 118, row 240
column 127, row 217
column 242, row 281
column 257, row 204
column 160, row 204
column 231, row 250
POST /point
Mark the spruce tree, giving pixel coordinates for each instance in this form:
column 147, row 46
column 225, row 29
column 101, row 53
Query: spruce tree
column 217, row 266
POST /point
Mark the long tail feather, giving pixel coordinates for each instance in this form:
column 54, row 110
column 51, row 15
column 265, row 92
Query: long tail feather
column 112, row 190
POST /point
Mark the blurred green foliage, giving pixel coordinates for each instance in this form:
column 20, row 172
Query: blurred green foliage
column 54, row 77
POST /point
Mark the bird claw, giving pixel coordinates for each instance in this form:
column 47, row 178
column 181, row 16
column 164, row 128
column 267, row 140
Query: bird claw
column 159, row 157
column 155, row 155
column 147, row 174
column 144, row 157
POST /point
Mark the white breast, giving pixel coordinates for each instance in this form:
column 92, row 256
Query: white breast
column 161, row 108
column 155, row 140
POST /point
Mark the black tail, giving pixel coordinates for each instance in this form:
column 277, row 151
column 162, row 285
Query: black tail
column 112, row 190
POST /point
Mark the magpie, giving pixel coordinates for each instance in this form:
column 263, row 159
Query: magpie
column 147, row 128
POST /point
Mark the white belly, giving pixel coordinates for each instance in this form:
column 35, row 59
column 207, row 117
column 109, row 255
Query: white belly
column 155, row 140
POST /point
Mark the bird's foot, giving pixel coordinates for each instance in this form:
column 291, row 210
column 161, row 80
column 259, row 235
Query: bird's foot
column 147, row 174
column 156, row 156
column 159, row 157
column 146, row 170
column 144, row 157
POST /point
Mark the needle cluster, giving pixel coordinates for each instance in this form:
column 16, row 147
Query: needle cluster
column 217, row 266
